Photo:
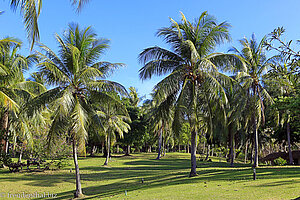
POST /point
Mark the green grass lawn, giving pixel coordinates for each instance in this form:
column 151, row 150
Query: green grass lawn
column 163, row 179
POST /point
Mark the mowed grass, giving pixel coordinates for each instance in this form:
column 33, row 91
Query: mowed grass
column 163, row 179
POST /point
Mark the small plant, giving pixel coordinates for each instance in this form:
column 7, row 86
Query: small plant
column 61, row 163
column 280, row 161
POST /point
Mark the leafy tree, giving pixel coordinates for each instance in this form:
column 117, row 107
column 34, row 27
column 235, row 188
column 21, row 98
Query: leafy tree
column 136, row 134
column 283, row 81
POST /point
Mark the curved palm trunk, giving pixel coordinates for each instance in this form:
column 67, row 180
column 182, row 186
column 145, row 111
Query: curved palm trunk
column 193, row 154
column 255, row 164
column 159, row 145
column 108, row 150
column 78, row 191
column 288, row 132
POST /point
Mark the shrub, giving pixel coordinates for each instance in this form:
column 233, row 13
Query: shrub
column 279, row 161
column 5, row 160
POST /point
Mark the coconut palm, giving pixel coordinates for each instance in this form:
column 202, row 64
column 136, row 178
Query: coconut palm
column 234, row 114
column 192, row 68
column 79, row 80
column 31, row 10
column 250, row 75
column 14, row 89
column 115, row 117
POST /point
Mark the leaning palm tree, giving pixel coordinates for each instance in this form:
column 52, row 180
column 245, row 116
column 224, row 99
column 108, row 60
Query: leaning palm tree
column 192, row 69
column 250, row 76
column 31, row 10
column 79, row 78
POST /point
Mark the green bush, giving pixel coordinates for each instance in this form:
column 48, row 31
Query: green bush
column 5, row 160
column 279, row 161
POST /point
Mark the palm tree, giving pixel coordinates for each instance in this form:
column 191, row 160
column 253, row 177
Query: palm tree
column 114, row 116
column 80, row 80
column 234, row 114
column 14, row 89
column 31, row 10
column 250, row 75
column 192, row 68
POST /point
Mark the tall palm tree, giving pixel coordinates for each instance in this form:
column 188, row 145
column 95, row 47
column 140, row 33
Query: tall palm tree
column 31, row 10
column 79, row 78
column 250, row 75
column 192, row 68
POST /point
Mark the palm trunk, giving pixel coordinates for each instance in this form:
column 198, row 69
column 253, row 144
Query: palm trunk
column 193, row 154
column 207, row 153
column 20, row 156
column 255, row 164
column 4, row 130
column 231, row 144
column 78, row 192
column 159, row 145
column 179, row 148
column 289, row 143
column 117, row 148
column 163, row 147
column 108, row 150
column 93, row 151
column 246, row 150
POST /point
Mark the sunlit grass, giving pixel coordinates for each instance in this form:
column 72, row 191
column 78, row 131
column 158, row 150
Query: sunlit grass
column 163, row 179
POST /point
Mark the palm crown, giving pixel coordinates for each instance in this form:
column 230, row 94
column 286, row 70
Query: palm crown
column 79, row 79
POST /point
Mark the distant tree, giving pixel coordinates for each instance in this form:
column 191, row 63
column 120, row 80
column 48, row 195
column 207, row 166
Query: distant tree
column 138, row 124
column 114, row 119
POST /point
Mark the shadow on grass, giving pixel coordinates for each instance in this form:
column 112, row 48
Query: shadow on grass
column 156, row 174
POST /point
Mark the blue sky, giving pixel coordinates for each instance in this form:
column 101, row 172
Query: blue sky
column 131, row 25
